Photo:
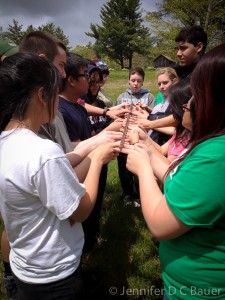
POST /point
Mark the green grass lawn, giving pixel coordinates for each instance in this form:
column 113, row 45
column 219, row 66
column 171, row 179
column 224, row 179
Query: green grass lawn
column 126, row 257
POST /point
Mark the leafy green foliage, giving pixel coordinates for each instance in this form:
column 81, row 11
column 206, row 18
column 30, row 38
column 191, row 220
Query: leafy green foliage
column 56, row 31
column 174, row 14
column 122, row 33
column 123, row 41
column 15, row 32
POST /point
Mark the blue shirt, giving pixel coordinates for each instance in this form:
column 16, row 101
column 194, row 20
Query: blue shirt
column 76, row 120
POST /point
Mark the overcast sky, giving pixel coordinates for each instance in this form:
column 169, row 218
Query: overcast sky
column 73, row 16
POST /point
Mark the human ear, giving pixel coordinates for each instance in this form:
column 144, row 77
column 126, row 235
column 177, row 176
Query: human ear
column 42, row 55
column 199, row 47
column 70, row 80
column 41, row 97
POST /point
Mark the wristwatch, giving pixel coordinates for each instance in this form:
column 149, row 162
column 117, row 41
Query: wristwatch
column 105, row 111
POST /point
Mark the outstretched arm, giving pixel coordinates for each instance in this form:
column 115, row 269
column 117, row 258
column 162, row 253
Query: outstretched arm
column 163, row 122
column 112, row 112
column 158, row 216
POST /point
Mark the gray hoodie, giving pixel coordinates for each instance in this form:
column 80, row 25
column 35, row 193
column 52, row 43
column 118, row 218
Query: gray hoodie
column 144, row 96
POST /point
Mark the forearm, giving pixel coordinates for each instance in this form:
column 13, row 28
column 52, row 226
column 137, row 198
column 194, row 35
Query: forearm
column 159, row 165
column 79, row 153
column 151, row 196
column 93, row 110
column 152, row 144
column 163, row 122
column 86, row 145
column 91, row 183
column 82, row 168
column 114, row 126
column 161, row 221
column 166, row 130
column 157, row 151
column 158, row 216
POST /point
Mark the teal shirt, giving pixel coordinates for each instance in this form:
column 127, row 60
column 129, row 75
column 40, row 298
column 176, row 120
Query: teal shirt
column 159, row 98
column 193, row 265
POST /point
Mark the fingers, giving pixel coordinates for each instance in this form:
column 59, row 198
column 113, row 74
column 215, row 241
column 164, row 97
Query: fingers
column 115, row 153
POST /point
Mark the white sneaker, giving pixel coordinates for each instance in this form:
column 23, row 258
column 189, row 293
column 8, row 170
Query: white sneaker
column 137, row 203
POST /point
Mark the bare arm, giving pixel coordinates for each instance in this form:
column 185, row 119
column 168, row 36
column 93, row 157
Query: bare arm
column 159, row 154
column 102, row 155
column 113, row 112
column 166, row 130
column 82, row 168
column 158, row 216
column 83, row 148
column 163, row 122
column 143, row 137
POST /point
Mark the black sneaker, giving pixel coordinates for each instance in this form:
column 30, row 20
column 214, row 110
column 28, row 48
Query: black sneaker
column 9, row 287
column 90, row 278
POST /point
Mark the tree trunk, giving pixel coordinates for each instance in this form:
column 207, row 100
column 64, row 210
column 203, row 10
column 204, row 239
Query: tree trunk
column 122, row 63
column 208, row 15
column 130, row 62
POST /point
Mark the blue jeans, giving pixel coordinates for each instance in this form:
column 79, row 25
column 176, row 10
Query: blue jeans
column 165, row 298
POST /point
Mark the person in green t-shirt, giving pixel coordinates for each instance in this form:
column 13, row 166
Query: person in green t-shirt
column 188, row 217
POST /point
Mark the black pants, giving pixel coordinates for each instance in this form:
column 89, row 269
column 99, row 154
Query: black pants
column 70, row 288
column 129, row 181
column 91, row 225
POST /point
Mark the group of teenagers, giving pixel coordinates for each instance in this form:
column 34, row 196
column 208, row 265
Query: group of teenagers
column 54, row 165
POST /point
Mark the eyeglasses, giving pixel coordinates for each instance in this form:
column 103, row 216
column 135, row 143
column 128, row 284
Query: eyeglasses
column 185, row 108
column 85, row 74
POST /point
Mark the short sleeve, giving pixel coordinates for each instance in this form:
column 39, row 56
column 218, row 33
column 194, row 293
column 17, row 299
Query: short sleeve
column 58, row 187
column 195, row 189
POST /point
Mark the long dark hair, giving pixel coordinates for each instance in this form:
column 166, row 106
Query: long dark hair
column 20, row 75
column 92, row 98
column 179, row 94
column 208, row 104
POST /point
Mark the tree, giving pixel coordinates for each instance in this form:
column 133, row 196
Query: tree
column 15, row 32
column 56, row 31
column 122, row 33
column 174, row 14
column 85, row 51
column 163, row 34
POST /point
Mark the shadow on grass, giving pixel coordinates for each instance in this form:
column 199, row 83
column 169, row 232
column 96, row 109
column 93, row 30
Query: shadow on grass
column 126, row 257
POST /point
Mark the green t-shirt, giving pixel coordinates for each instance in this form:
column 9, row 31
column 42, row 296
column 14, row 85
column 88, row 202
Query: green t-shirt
column 159, row 98
column 193, row 265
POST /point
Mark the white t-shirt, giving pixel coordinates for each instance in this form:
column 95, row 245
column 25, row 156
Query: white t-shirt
column 39, row 191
